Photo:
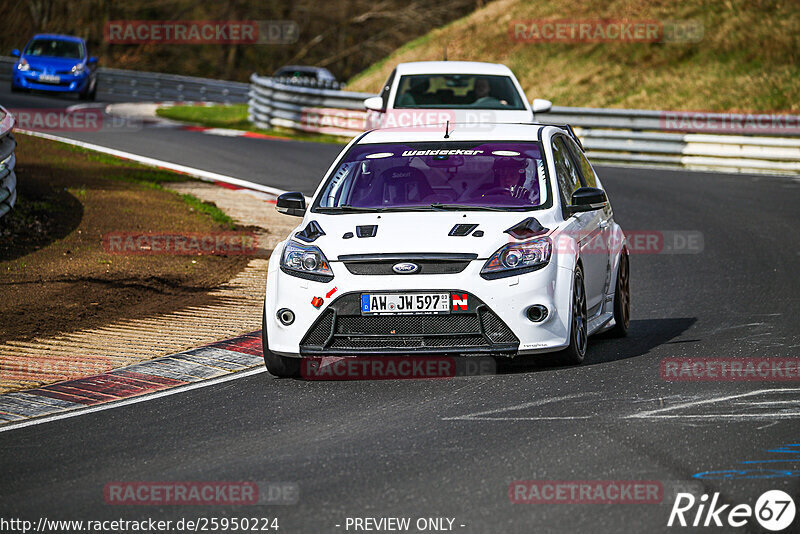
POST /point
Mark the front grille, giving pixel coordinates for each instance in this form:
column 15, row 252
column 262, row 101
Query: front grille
column 407, row 324
column 322, row 329
column 495, row 328
column 425, row 267
column 342, row 329
column 381, row 264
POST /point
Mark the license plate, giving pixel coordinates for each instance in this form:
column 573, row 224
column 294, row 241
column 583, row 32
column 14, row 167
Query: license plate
column 49, row 78
column 397, row 303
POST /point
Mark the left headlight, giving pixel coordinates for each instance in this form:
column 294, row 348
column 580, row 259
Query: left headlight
column 305, row 261
column 518, row 258
column 78, row 69
column 23, row 65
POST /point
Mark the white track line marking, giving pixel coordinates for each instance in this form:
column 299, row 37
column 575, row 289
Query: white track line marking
column 191, row 171
column 134, row 400
column 480, row 416
column 659, row 413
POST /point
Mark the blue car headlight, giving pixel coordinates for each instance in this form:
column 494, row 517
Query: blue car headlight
column 518, row 258
column 78, row 69
column 23, row 65
column 305, row 261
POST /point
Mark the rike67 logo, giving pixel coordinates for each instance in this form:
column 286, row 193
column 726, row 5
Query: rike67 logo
column 774, row 510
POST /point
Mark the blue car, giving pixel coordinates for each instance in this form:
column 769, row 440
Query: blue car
column 55, row 63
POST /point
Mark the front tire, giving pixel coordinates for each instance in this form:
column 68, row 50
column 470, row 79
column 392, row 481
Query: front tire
column 277, row 365
column 578, row 332
column 622, row 298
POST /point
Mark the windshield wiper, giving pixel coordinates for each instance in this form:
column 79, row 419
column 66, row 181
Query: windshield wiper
column 358, row 209
column 440, row 206
column 346, row 207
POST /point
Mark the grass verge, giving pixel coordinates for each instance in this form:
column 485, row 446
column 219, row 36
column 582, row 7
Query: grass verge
column 747, row 59
column 234, row 116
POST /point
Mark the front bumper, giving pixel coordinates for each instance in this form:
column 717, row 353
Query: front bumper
column 68, row 83
column 337, row 328
column 342, row 330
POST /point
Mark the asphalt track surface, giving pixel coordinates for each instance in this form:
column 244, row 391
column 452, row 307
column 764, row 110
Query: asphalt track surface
column 450, row 448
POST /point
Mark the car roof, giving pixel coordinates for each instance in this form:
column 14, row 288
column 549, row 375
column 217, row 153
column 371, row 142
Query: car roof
column 457, row 132
column 453, row 67
column 57, row 37
column 302, row 67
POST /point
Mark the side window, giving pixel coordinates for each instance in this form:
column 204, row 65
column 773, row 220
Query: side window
column 566, row 170
column 589, row 177
column 387, row 87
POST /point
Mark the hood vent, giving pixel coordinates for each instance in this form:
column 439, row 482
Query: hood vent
column 526, row 229
column 310, row 233
column 368, row 230
column 460, row 230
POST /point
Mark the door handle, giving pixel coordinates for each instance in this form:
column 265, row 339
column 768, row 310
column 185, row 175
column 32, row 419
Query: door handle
column 603, row 225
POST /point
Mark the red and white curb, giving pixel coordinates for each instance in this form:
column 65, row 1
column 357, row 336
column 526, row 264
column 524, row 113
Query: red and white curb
column 228, row 132
column 214, row 363
column 146, row 113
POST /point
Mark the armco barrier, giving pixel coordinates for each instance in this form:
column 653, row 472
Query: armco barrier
column 621, row 136
column 307, row 109
column 153, row 86
column 8, row 180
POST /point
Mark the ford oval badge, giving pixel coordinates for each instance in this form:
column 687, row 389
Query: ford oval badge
column 405, row 268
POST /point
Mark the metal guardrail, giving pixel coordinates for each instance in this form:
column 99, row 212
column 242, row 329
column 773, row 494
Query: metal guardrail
column 308, row 109
column 153, row 86
column 8, row 180
column 627, row 136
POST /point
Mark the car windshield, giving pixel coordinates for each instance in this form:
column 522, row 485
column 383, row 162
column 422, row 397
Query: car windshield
column 457, row 91
column 55, row 48
column 437, row 176
column 296, row 73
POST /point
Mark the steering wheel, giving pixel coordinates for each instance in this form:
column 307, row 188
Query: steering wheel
column 497, row 191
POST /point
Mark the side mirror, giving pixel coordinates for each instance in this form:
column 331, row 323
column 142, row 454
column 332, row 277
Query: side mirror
column 374, row 103
column 15, row 52
column 540, row 105
column 92, row 60
column 293, row 203
column 588, row 199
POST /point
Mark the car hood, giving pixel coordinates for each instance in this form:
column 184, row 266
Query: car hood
column 416, row 232
column 51, row 64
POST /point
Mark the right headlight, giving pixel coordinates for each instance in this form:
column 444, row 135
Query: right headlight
column 23, row 65
column 305, row 261
column 518, row 258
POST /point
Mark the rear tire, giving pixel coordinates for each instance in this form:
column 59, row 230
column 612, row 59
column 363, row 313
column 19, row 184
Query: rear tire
column 578, row 338
column 277, row 365
column 622, row 298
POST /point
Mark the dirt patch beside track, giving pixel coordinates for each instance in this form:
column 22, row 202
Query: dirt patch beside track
column 55, row 274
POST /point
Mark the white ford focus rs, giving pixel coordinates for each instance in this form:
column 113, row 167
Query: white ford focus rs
column 493, row 240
